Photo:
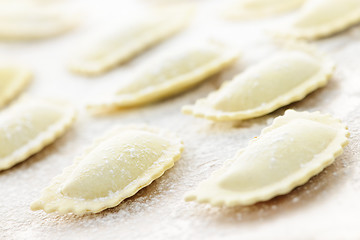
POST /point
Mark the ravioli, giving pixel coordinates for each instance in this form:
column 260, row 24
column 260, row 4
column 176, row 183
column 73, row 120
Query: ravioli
column 12, row 81
column 29, row 125
column 323, row 18
column 287, row 154
column 245, row 9
column 27, row 22
column 126, row 43
column 169, row 75
column 115, row 167
column 285, row 78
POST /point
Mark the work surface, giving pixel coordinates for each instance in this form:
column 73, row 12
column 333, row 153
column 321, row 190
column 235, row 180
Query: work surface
column 327, row 207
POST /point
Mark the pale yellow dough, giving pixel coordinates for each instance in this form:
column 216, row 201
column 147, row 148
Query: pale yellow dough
column 30, row 21
column 12, row 81
column 287, row 154
column 115, row 167
column 275, row 82
column 322, row 18
column 248, row 9
column 29, row 125
column 170, row 75
column 126, row 43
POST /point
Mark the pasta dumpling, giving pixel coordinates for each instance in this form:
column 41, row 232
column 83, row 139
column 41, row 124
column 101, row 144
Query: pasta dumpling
column 169, row 75
column 126, row 43
column 29, row 125
column 12, row 81
column 245, row 9
column 115, row 167
column 322, row 18
column 28, row 22
column 287, row 154
column 275, row 82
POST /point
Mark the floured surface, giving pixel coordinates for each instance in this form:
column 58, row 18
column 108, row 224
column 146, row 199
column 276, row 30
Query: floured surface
column 324, row 208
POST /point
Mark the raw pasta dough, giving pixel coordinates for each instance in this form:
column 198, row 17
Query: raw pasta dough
column 169, row 75
column 244, row 9
column 128, row 42
column 27, row 22
column 323, row 18
column 12, row 81
column 115, row 167
column 285, row 78
column 287, row 154
column 29, row 125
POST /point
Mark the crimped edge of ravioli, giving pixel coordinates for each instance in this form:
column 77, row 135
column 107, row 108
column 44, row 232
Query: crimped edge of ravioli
column 200, row 108
column 23, row 78
column 171, row 86
column 45, row 138
column 69, row 22
column 286, row 185
column 52, row 200
column 163, row 31
column 242, row 13
column 318, row 32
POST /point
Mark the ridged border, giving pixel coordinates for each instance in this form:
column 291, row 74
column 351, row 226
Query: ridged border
column 43, row 139
column 237, row 12
column 52, row 200
column 201, row 109
column 173, row 86
column 327, row 30
column 20, row 81
column 153, row 36
column 209, row 192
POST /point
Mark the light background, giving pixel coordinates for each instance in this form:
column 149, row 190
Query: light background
column 327, row 207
